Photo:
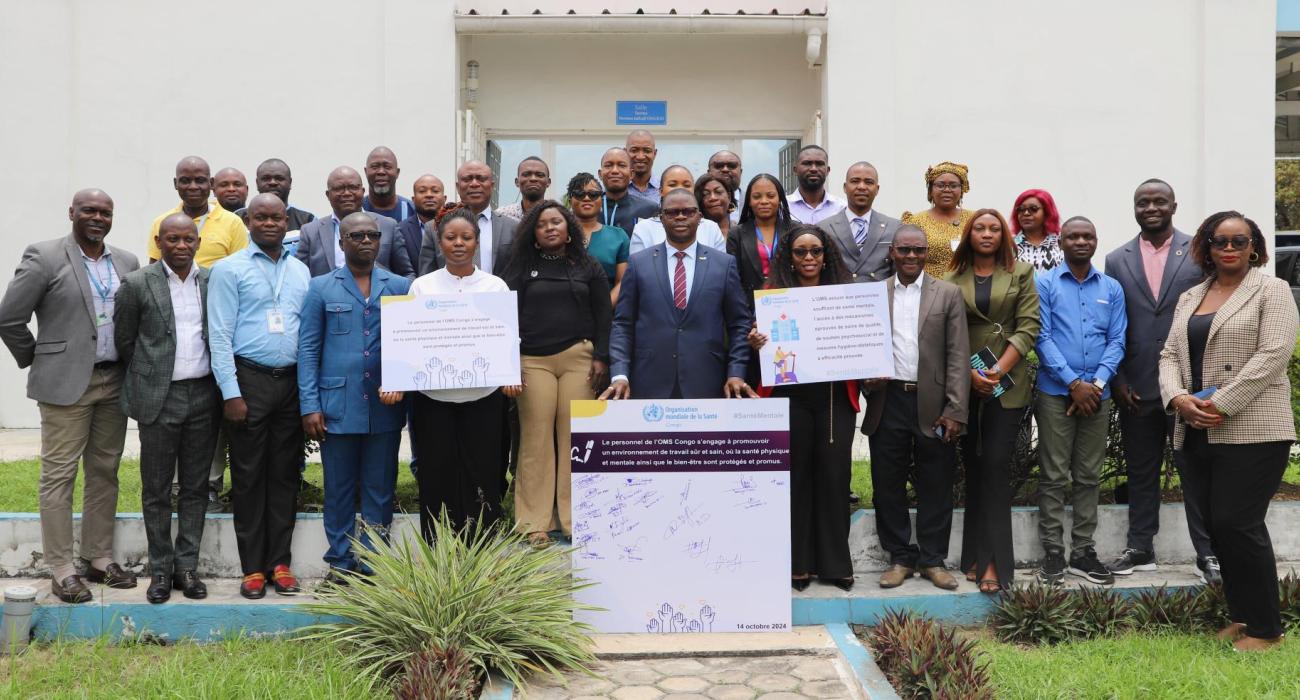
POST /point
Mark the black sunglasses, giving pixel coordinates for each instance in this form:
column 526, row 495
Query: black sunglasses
column 1238, row 242
column 358, row 236
column 587, row 195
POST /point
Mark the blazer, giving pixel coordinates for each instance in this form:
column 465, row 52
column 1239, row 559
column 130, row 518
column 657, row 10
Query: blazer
column 503, row 238
column 871, row 263
column 656, row 345
column 413, row 232
column 316, row 247
column 51, row 282
column 144, row 330
column 339, row 368
column 742, row 244
column 1012, row 320
column 1149, row 317
column 943, row 358
column 1250, row 343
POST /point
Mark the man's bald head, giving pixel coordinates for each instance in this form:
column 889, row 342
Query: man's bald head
column 193, row 182
column 177, row 222
column 640, row 146
column 382, row 172
column 725, row 165
column 190, row 162
column 273, row 175
column 428, row 194
column 177, row 240
column 474, row 183
column 231, row 188
column 91, row 214
column 92, row 194
column 344, row 190
column 267, row 222
column 616, row 171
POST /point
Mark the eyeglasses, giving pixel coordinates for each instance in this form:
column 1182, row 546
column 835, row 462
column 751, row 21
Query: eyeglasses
column 808, row 252
column 587, row 195
column 906, row 250
column 358, row 236
column 474, row 178
column 1031, row 209
column 1238, row 242
column 684, row 213
column 947, row 185
column 339, row 189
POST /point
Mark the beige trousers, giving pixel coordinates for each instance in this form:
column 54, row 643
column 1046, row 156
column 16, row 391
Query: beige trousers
column 542, row 478
column 93, row 429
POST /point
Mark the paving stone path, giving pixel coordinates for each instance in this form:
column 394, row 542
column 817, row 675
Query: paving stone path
column 704, row 678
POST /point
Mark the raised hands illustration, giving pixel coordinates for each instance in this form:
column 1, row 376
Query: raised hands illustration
column 447, row 378
column 706, row 616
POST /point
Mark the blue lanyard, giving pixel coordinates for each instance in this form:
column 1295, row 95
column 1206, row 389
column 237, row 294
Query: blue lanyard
column 102, row 289
column 605, row 213
column 278, row 281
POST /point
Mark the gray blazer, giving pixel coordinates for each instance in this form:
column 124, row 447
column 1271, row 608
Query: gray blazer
column 503, row 237
column 943, row 358
column 145, row 334
column 316, row 247
column 1149, row 317
column 871, row 263
column 51, row 282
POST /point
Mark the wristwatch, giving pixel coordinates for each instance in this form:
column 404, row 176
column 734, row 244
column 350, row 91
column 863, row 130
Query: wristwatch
column 1101, row 386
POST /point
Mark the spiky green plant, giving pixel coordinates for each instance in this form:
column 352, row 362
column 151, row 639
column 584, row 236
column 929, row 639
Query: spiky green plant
column 1211, row 608
column 1036, row 614
column 923, row 659
column 1288, row 593
column 1162, row 609
column 1102, row 612
column 436, row 673
column 482, row 591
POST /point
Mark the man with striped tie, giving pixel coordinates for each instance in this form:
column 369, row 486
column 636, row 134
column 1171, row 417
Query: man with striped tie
column 681, row 319
column 863, row 235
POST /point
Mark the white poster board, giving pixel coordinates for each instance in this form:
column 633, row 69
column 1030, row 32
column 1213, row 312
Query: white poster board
column 449, row 341
column 681, row 514
column 824, row 333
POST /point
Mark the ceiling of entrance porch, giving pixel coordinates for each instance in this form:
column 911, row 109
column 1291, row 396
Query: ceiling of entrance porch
column 641, row 7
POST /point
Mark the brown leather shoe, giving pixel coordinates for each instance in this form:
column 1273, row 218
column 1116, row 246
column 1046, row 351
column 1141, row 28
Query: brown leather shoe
column 71, row 590
column 113, row 576
column 895, row 575
column 1257, row 644
column 940, row 577
column 1231, row 633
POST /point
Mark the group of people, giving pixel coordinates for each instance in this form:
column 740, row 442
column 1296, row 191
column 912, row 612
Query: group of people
column 257, row 324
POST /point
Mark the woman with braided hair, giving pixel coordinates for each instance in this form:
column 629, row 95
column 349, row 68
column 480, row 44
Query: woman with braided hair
column 943, row 222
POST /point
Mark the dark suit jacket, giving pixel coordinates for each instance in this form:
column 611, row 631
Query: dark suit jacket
column 51, row 282
column 655, row 345
column 943, row 359
column 413, row 233
column 742, row 244
column 1149, row 318
column 871, row 263
column 503, row 237
column 625, row 212
column 297, row 217
column 316, row 247
column 145, row 335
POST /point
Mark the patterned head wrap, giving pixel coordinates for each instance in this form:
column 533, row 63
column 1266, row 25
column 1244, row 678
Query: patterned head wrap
column 933, row 172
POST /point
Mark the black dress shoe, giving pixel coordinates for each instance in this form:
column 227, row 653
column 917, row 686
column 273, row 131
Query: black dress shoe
column 113, row 576
column 160, row 589
column 800, row 584
column 71, row 590
column 188, row 583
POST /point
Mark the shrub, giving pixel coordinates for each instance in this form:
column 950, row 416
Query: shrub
column 1288, row 590
column 1161, row 609
column 1036, row 614
column 1102, row 612
column 435, row 673
column 922, row 659
column 481, row 593
column 1211, row 607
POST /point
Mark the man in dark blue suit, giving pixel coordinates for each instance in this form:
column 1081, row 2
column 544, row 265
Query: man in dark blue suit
column 681, row 319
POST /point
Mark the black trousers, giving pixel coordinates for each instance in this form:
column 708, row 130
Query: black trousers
column 1145, row 433
column 461, row 467
column 1240, row 481
column 986, row 452
column 897, row 446
column 264, row 455
column 821, row 456
column 179, row 443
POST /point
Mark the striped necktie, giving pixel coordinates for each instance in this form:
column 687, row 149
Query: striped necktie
column 859, row 230
column 679, row 281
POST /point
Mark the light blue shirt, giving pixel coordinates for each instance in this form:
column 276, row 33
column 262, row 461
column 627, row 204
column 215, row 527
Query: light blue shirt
column 104, row 282
column 688, row 262
column 245, row 293
column 1083, row 326
column 650, row 193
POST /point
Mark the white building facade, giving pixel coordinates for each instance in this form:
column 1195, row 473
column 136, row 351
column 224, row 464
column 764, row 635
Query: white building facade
column 1082, row 99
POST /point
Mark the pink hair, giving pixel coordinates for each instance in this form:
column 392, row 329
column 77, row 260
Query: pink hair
column 1051, row 217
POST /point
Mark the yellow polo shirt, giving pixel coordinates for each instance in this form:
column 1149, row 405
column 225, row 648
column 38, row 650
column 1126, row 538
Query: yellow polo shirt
column 223, row 233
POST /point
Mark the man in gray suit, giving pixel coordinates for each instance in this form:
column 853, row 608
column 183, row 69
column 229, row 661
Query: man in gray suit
column 1154, row 269
column 318, row 244
column 76, row 379
column 863, row 235
column 474, row 184
column 913, row 418
column 161, row 324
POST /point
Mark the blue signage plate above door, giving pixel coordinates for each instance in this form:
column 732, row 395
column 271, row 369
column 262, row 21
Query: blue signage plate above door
column 641, row 112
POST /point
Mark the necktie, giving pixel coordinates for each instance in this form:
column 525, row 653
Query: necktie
column 859, row 231
column 679, row 281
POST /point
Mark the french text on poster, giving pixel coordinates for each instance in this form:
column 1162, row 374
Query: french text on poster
column 825, row 333
column 681, row 514
column 450, row 341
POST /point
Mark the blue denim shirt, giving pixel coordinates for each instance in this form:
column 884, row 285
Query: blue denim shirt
column 1083, row 327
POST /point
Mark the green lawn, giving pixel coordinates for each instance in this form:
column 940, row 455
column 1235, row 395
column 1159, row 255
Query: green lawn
column 1142, row 666
column 241, row 669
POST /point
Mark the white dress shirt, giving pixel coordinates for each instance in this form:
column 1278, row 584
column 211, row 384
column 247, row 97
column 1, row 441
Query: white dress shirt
column 485, row 241
column 649, row 233
column 805, row 213
column 907, row 327
column 441, row 281
column 192, row 360
column 339, row 260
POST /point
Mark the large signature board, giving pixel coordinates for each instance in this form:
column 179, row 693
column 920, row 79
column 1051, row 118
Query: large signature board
column 681, row 514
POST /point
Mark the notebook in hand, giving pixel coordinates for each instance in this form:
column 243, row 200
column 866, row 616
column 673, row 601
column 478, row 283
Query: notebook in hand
column 984, row 359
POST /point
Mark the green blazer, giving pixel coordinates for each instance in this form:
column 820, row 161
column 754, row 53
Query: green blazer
column 144, row 332
column 1012, row 319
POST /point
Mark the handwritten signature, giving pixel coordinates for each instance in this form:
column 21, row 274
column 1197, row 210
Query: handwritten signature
column 730, row 564
column 687, row 517
column 698, row 548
